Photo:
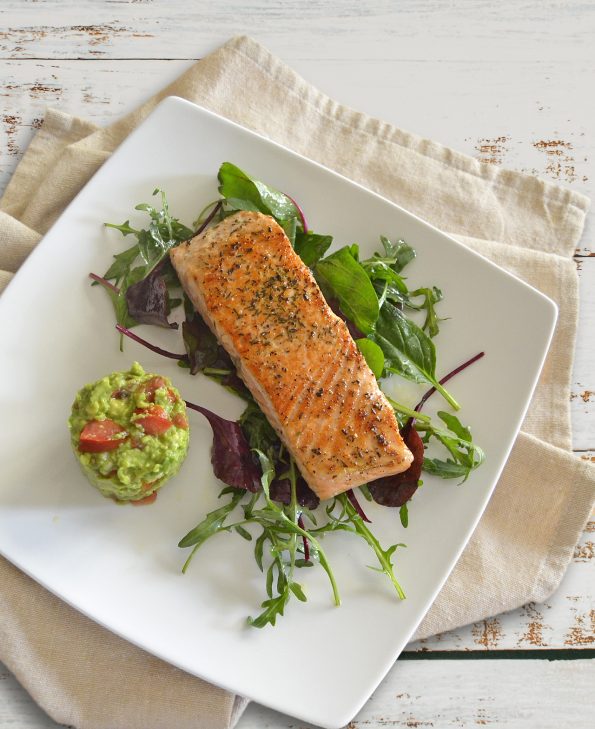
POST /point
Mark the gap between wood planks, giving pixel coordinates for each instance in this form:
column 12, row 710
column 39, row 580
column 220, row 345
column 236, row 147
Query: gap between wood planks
column 96, row 58
column 547, row 654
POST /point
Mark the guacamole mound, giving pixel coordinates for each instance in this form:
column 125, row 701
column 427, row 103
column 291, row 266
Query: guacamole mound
column 129, row 432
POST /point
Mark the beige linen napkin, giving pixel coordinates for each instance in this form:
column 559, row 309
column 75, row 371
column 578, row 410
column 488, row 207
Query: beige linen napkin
column 85, row 676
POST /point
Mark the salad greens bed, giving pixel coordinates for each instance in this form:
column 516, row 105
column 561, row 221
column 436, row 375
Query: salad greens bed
column 278, row 511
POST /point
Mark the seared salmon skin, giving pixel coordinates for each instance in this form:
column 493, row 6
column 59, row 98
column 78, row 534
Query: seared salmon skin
column 295, row 355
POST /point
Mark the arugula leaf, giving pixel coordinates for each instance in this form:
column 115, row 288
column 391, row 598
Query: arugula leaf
column 123, row 261
column 274, row 606
column 465, row 455
column 446, row 469
column 149, row 300
column 240, row 189
column 345, row 278
column 379, row 270
column 373, row 355
column 211, row 524
column 125, row 228
column 431, row 298
column 311, row 247
column 399, row 253
column 118, row 299
column 349, row 520
column 455, row 425
column 408, row 350
column 163, row 233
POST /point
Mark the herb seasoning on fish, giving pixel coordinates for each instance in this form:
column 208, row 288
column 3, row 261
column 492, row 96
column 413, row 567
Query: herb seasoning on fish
column 295, row 355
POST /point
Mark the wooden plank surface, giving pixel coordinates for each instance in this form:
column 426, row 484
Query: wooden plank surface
column 501, row 694
column 507, row 83
column 384, row 30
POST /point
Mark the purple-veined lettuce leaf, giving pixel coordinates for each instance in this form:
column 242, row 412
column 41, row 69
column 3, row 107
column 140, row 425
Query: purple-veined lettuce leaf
column 230, row 454
column 148, row 300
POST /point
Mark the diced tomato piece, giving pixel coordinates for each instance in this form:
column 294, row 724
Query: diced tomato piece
column 147, row 500
column 180, row 421
column 154, row 420
column 99, row 436
column 157, row 383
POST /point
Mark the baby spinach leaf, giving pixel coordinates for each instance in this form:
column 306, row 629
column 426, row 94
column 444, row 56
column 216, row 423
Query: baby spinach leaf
column 311, row 247
column 336, row 309
column 290, row 228
column 343, row 276
column 236, row 185
column 408, row 350
column 373, row 355
column 235, row 204
column 259, row 432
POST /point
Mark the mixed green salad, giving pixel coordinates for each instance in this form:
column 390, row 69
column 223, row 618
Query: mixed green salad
column 265, row 500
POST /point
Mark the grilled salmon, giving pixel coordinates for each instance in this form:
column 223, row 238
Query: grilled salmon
column 295, row 355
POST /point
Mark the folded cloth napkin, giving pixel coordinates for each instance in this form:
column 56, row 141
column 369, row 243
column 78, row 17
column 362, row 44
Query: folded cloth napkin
column 86, row 677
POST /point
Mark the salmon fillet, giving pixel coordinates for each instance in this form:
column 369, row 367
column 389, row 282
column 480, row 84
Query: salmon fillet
column 295, row 355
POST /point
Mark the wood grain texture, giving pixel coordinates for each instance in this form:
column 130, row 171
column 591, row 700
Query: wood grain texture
column 507, row 83
column 547, row 134
column 566, row 620
column 468, row 694
column 301, row 29
column 501, row 694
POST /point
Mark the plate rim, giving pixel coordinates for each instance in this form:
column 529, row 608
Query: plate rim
column 171, row 103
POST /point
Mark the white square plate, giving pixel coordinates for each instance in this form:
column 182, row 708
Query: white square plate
column 120, row 565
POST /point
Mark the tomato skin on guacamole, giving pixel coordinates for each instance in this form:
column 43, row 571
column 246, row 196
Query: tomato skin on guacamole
column 129, row 432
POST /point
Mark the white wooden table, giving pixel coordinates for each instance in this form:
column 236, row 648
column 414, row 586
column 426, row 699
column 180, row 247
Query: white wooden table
column 508, row 83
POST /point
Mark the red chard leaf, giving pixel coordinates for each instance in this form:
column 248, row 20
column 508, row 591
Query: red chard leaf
column 280, row 490
column 397, row 490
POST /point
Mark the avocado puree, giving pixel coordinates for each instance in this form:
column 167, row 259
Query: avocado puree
column 129, row 432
